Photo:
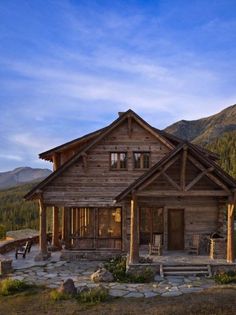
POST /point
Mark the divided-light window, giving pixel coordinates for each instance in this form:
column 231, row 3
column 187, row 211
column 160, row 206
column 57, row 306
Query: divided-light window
column 118, row 160
column 141, row 160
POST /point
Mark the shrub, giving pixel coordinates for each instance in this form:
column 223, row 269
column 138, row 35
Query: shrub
column 58, row 296
column 93, row 296
column 2, row 232
column 11, row 286
column 225, row 277
column 117, row 266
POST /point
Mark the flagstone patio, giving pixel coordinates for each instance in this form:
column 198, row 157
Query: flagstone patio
column 53, row 272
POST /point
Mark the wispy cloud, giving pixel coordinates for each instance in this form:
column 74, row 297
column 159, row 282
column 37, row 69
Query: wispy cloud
column 68, row 68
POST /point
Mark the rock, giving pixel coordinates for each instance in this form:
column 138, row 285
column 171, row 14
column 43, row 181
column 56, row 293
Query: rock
column 150, row 294
column 117, row 292
column 134, row 295
column 102, row 275
column 172, row 293
column 67, row 287
column 158, row 278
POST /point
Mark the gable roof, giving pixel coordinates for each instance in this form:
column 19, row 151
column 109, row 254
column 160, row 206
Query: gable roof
column 85, row 148
column 174, row 140
column 224, row 177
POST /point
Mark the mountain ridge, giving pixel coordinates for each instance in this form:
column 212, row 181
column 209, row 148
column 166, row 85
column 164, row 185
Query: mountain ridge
column 22, row 175
column 205, row 130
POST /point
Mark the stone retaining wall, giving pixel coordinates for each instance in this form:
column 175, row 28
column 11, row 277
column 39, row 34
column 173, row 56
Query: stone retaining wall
column 223, row 268
column 12, row 245
column 76, row 255
column 141, row 268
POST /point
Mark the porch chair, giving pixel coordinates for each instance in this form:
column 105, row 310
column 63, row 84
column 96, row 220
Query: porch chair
column 23, row 250
column 195, row 245
column 155, row 248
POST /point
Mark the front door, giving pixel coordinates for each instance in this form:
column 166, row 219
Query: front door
column 176, row 229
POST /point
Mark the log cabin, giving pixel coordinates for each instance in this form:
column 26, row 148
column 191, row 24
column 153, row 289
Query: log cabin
column 115, row 188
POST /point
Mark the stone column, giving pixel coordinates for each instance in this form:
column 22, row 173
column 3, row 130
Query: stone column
column 43, row 253
column 134, row 232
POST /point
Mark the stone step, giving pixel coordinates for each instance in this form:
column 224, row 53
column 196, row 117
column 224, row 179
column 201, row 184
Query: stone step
column 185, row 270
column 170, row 268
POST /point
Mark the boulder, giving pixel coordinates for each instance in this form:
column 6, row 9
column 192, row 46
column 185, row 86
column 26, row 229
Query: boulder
column 102, row 275
column 83, row 289
column 68, row 287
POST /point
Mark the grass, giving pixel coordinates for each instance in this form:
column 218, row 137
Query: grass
column 217, row 302
column 11, row 286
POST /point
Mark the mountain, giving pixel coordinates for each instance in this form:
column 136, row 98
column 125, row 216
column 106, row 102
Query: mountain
column 217, row 133
column 205, row 130
column 22, row 175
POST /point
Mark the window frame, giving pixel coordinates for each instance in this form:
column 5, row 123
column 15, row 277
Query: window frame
column 118, row 168
column 141, row 160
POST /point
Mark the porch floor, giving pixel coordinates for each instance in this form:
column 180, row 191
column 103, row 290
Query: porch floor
column 181, row 257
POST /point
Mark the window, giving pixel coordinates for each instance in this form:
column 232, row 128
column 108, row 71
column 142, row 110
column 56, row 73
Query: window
column 118, row 160
column 109, row 222
column 141, row 160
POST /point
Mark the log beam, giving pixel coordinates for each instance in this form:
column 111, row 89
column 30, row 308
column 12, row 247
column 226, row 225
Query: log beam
column 230, row 233
column 55, row 228
column 129, row 126
column 134, row 231
column 43, row 251
column 183, row 169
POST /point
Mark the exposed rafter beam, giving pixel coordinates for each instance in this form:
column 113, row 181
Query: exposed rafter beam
column 171, row 181
column 199, row 176
column 209, row 175
column 151, row 180
column 130, row 126
column 183, row 168
column 173, row 193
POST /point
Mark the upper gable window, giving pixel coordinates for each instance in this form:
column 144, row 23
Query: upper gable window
column 141, row 160
column 118, row 160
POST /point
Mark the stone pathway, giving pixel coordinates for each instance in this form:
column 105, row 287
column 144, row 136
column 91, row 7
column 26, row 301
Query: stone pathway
column 51, row 274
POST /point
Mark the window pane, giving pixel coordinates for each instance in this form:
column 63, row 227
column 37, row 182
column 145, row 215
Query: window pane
column 123, row 160
column 86, row 222
column 145, row 160
column 114, row 160
column 137, row 160
column 109, row 222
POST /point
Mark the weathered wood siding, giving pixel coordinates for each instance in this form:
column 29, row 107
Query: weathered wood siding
column 203, row 216
column 96, row 185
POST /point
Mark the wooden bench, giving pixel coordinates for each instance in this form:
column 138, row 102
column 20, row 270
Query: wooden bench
column 23, row 250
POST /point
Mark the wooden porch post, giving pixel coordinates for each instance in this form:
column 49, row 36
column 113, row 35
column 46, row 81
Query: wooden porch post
column 55, row 228
column 230, row 233
column 63, row 224
column 55, row 213
column 134, row 232
column 43, row 254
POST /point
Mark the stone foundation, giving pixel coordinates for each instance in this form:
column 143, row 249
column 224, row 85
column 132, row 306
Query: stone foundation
column 76, row 255
column 140, row 268
column 5, row 265
column 218, row 248
column 222, row 268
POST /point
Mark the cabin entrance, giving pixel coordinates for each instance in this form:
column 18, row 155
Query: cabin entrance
column 175, row 229
column 151, row 222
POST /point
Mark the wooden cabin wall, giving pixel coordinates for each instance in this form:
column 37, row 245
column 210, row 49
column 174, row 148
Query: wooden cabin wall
column 94, row 184
column 203, row 215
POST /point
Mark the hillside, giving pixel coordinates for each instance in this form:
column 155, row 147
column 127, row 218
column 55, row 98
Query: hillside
column 22, row 175
column 205, row 130
column 15, row 212
column 217, row 133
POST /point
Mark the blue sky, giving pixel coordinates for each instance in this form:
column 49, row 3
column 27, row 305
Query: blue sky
column 68, row 67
